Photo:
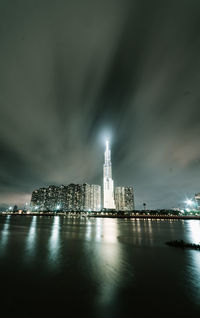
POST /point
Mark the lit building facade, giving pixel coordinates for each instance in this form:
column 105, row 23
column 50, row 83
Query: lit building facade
column 61, row 193
column 95, row 197
column 108, row 184
column 197, row 200
column 73, row 197
column 39, row 199
column 51, row 196
column 86, row 197
column 124, row 199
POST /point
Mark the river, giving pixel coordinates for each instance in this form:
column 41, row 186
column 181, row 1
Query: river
column 98, row 267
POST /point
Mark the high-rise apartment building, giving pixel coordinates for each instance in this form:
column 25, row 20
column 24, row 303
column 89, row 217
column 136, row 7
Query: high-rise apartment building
column 108, row 184
column 86, row 197
column 61, row 198
column 95, row 197
column 73, row 197
column 39, row 199
column 197, row 200
column 51, row 198
column 124, row 199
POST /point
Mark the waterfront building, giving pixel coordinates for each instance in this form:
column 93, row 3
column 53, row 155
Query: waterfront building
column 124, row 199
column 61, row 198
column 86, row 197
column 34, row 199
column 38, row 199
column 95, row 197
column 73, row 197
column 83, row 197
column 42, row 200
column 197, row 200
column 51, row 194
column 108, row 184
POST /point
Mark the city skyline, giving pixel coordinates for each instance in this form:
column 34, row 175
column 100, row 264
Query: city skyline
column 85, row 197
column 108, row 200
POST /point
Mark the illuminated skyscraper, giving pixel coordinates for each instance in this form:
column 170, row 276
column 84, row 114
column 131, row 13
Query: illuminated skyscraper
column 108, row 184
column 197, row 200
column 92, row 197
column 124, row 198
column 95, row 197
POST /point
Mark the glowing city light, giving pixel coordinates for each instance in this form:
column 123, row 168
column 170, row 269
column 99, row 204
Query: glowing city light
column 189, row 202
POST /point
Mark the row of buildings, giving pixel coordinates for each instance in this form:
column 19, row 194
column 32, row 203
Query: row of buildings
column 73, row 197
column 85, row 197
column 79, row 197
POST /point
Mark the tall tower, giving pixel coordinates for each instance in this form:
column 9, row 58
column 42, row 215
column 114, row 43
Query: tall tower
column 108, row 184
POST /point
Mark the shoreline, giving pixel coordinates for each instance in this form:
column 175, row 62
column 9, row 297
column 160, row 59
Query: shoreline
column 156, row 217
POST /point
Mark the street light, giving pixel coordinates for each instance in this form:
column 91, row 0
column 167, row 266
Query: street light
column 189, row 203
column 58, row 207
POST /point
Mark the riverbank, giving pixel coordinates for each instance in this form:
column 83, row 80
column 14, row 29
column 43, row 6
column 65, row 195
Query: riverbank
column 109, row 215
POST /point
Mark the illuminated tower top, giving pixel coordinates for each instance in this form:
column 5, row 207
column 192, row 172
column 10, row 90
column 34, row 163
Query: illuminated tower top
column 107, row 163
column 107, row 153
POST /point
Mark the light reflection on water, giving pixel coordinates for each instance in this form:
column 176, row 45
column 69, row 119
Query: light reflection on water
column 194, row 231
column 54, row 241
column 5, row 234
column 194, row 259
column 107, row 263
column 31, row 238
column 107, row 260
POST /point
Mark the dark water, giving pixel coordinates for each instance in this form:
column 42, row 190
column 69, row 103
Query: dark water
column 73, row 267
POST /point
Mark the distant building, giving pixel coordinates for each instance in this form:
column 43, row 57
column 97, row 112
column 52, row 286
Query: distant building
column 35, row 200
column 61, row 203
column 197, row 200
column 15, row 208
column 83, row 197
column 95, row 197
column 44, row 199
column 86, row 197
column 124, row 199
column 50, row 195
column 73, row 197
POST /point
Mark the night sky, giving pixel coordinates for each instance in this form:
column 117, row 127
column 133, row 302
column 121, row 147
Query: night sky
column 75, row 72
